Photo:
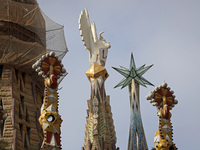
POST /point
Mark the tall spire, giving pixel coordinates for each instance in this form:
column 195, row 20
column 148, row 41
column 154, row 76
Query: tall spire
column 133, row 73
column 133, row 78
column 100, row 132
column 164, row 99
column 50, row 68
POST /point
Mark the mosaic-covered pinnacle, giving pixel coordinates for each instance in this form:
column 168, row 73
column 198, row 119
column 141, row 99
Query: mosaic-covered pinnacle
column 49, row 64
column 161, row 96
column 95, row 71
column 133, row 73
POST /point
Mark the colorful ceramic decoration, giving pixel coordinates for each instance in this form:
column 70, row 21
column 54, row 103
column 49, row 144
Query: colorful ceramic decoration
column 50, row 68
column 100, row 132
column 98, row 47
column 164, row 99
column 133, row 79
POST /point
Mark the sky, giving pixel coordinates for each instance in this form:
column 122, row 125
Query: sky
column 165, row 33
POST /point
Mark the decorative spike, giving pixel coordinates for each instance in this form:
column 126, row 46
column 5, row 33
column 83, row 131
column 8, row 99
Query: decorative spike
column 164, row 84
column 43, row 57
column 38, row 69
column 40, row 73
column 34, row 66
column 63, row 70
column 148, row 97
column 52, row 53
column 155, row 104
column 38, row 63
column 175, row 101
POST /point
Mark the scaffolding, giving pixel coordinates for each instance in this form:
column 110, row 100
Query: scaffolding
column 26, row 33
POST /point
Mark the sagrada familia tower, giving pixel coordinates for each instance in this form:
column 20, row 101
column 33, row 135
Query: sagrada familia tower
column 100, row 132
column 25, row 37
column 31, row 50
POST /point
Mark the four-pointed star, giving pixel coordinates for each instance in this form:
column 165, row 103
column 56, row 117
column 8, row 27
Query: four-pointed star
column 133, row 73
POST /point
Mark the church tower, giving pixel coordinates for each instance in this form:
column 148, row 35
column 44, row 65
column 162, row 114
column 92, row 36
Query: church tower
column 22, row 41
column 133, row 79
column 100, row 133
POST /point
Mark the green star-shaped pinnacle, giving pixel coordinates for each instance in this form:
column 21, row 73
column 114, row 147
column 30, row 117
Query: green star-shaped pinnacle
column 133, row 73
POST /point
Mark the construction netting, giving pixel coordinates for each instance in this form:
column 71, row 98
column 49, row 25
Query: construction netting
column 26, row 33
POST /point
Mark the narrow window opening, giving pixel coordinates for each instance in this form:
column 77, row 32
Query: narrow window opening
column 20, row 114
column 28, row 132
column 22, row 101
column 1, row 71
column 16, row 74
column 25, row 143
column 21, row 129
column 23, row 77
column 21, row 86
column 2, row 128
column 2, row 124
column 27, row 115
column 137, row 105
column 133, row 107
column 134, row 96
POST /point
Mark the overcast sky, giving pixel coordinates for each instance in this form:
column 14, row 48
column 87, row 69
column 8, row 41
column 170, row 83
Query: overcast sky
column 164, row 33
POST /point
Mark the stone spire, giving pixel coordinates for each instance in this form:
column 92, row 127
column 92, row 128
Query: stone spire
column 164, row 99
column 133, row 79
column 100, row 132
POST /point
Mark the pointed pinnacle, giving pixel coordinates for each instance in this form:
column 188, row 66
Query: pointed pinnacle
column 125, row 73
column 132, row 62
